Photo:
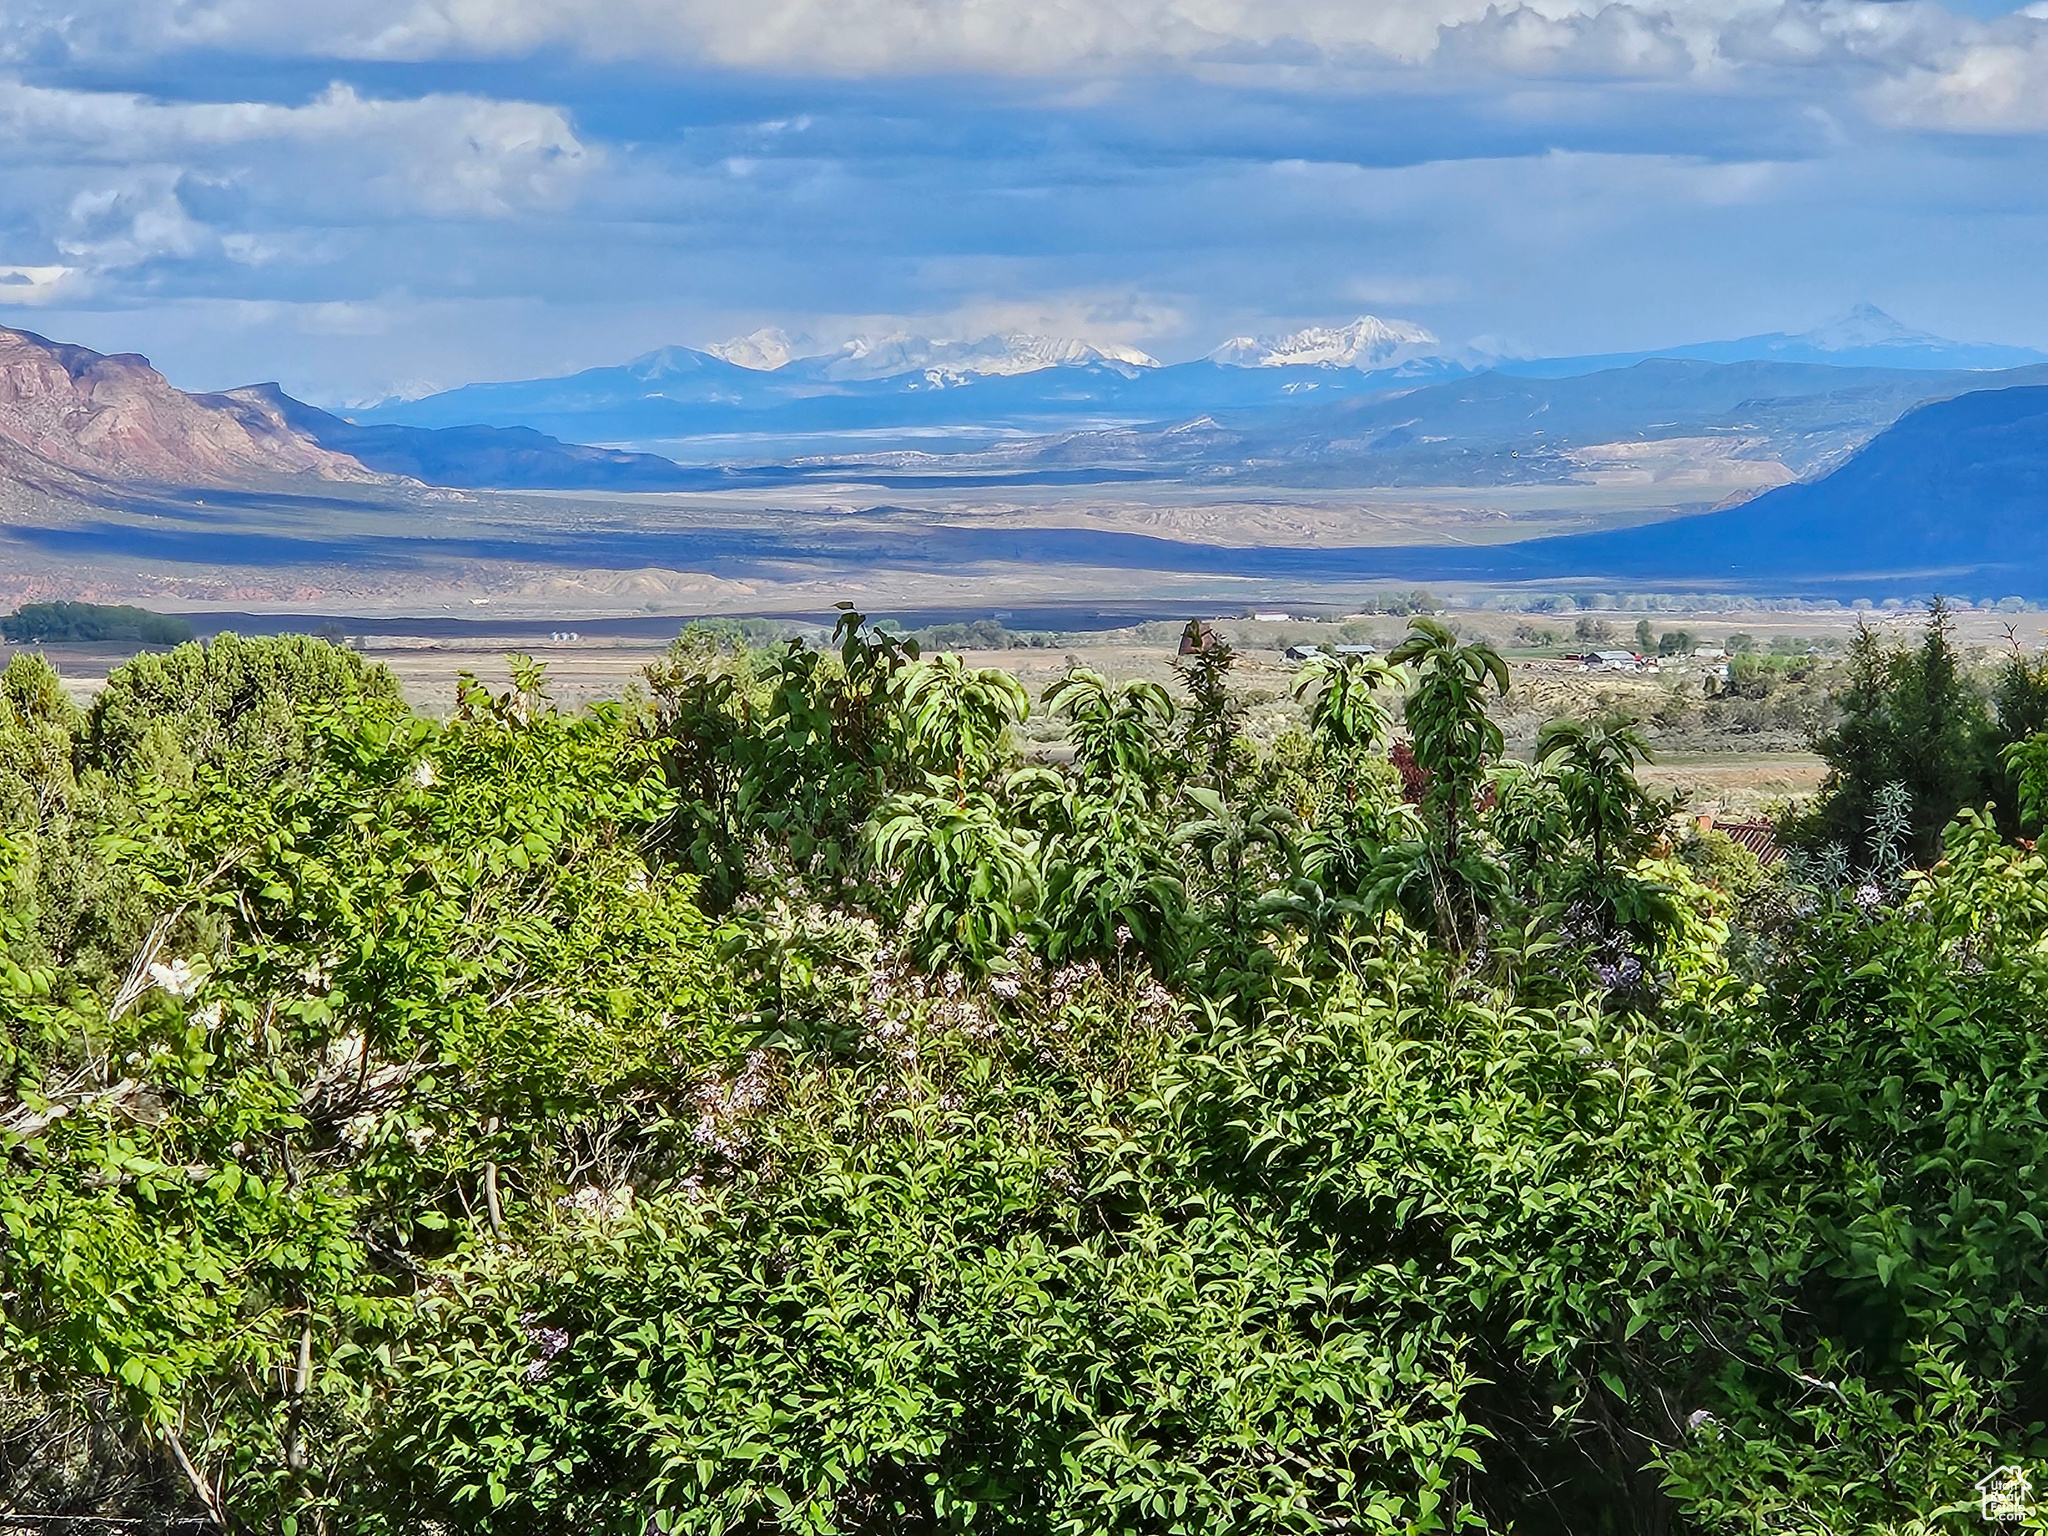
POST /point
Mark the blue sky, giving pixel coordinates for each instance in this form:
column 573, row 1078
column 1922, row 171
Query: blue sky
column 373, row 195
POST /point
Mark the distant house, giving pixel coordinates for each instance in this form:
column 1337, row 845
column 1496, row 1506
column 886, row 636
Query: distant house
column 1303, row 652
column 1270, row 618
column 1759, row 837
column 1614, row 661
column 1708, row 653
column 1356, row 650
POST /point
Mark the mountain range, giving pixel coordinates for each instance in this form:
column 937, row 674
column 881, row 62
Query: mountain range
column 1788, row 420
column 1864, row 337
column 1818, row 467
column 866, row 357
column 757, row 399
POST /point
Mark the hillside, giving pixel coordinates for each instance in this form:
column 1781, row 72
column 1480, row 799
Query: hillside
column 1955, row 490
column 88, row 427
column 68, row 412
column 1953, row 496
column 492, row 458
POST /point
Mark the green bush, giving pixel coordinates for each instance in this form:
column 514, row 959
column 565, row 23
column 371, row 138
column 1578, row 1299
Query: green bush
column 45, row 622
column 772, row 1109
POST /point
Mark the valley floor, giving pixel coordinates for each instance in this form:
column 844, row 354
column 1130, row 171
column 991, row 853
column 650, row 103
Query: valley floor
column 371, row 550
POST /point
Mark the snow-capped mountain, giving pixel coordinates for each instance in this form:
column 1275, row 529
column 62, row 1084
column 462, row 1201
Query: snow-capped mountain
column 1865, row 325
column 764, row 350
column 886, row 357
column 1867, row 335
column 1367, row 344
column 1862, row 337
column 746, row 400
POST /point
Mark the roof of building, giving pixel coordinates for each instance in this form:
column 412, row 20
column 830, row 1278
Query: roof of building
column 1759, row 837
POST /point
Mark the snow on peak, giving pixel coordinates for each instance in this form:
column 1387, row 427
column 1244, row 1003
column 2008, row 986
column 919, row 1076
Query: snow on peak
column 1367, row 343
column 881, row 357
column 763, row 351
column 1866, row 326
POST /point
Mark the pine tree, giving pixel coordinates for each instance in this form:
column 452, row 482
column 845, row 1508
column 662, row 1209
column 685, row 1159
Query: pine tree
column 1906, row 717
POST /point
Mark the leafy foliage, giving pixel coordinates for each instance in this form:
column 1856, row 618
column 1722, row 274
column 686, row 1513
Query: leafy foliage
column 771, row 1107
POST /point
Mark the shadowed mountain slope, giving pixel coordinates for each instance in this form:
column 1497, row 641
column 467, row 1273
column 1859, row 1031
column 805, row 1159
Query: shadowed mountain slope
column 1955, row 487
column 482, row 458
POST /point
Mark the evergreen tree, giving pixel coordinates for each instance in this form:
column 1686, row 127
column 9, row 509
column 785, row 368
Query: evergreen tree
column 2019, row 706
column 1907, row 717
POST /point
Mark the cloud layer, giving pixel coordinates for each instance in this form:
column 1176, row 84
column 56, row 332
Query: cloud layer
column 377, row 193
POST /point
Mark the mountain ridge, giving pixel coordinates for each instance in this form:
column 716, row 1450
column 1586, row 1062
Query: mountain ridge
column 1368, row 344
column 699, row 404
column 1862, row 336
column 72, row 412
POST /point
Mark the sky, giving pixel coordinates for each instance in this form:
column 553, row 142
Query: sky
column 365, row 197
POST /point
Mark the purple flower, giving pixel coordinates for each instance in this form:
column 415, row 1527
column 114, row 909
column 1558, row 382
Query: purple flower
column 1624, row 973
column 546, row 1342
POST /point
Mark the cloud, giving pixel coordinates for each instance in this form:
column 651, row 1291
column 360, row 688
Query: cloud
column 1935, row 67
column 442, row 155
column 111, row 227
column 1287, row 39
column 517, row 187
column 122, row 187
column 36, row 285
column 1618, row 41
column 1998, row 84
column 1125, row 316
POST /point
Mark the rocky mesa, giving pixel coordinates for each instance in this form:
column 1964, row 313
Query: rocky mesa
column 67, row 412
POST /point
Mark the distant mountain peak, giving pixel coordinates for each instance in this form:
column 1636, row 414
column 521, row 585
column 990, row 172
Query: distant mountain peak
column 763, row 350
column 1865, row 325
column 1866, row 334
column 1367, row 343
column 881, row 357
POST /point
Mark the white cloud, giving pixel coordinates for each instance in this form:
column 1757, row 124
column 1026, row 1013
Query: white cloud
column 36, row 285
column 118, row 182
column 1122, row 316
column 1619, row 40
column 111, row 227
column 442, row 155
column 907, row 36
column 524, row 150
column 1995, row 85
